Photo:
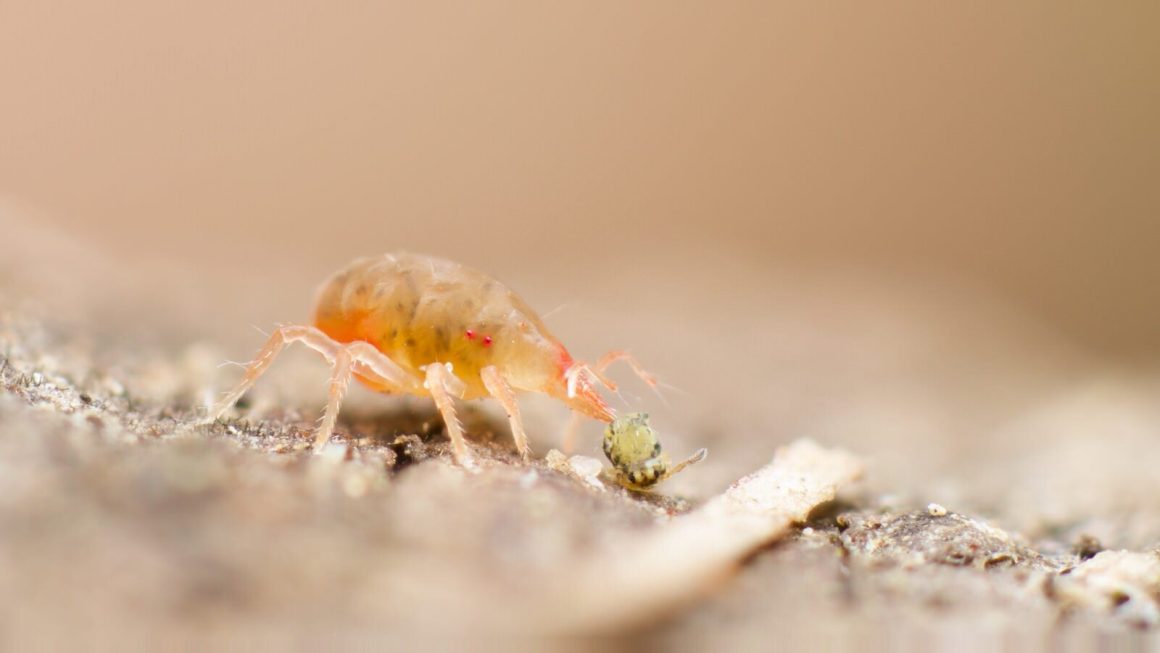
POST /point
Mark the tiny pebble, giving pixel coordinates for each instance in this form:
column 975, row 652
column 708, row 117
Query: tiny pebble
column 587, row 469
column 936, row 510
column 585, row 465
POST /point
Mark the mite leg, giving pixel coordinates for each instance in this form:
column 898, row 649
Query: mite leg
column 621, row 355
column 441, row 383
column 356, row 356
column 339, row 382
column 499, row 388
column 372, row 365
column 308, row 336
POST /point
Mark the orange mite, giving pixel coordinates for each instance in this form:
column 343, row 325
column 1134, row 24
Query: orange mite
column 407, row 323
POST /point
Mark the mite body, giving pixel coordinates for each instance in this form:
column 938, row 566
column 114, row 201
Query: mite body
column 407, row 323
column 633, row 448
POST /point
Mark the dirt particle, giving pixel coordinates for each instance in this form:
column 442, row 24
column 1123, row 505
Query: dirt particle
column 1086, row 547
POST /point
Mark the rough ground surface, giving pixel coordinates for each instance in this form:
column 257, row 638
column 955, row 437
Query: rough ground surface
column 121, row 522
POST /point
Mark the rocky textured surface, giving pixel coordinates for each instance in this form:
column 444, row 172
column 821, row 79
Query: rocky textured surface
column 125, row 522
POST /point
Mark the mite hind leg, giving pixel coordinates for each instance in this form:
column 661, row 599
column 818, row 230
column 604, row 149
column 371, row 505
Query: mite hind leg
column 309, row 336
column 444, row 386
column 498, row 387
column 345, row 359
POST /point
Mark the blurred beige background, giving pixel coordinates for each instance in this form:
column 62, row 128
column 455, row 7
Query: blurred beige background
column 1012, row 146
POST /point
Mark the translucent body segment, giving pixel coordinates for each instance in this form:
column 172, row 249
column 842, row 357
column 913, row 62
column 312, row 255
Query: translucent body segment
column 419, row 310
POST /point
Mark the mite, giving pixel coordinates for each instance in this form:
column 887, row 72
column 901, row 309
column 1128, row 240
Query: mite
column 408, row 323
column 634, row 450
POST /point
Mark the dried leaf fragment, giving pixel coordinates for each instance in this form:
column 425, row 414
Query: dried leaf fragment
column 653, row 572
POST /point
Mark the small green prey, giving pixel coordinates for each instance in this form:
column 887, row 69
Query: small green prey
column 635, row 452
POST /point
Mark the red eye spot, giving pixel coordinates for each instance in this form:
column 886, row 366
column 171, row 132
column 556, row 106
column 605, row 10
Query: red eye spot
column 487, row 341
column 470, row 334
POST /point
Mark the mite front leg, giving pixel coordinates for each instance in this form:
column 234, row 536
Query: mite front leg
column 621, row 355
column 441, row 383
column 499, row 388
